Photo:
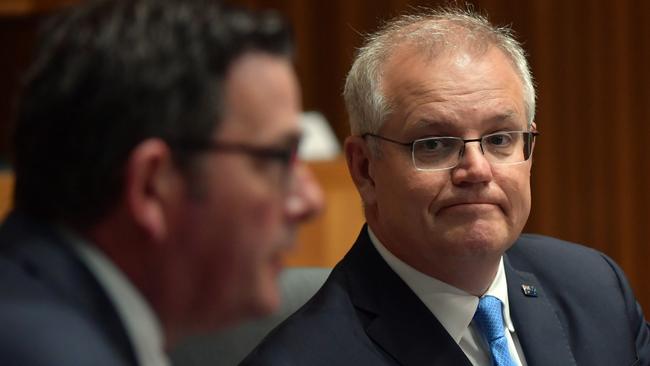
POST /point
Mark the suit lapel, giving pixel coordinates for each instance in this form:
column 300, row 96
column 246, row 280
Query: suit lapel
column 542, row 337
column 40, row 248
column 397, row 320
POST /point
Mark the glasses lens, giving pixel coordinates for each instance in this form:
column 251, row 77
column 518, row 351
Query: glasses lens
column 436, row 152
column 507, row 147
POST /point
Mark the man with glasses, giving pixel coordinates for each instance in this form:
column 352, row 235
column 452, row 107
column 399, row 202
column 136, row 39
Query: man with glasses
column 157, row 186
column 441, row 109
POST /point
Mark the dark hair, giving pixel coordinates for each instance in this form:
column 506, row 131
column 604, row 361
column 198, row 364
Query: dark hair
column 112, row 73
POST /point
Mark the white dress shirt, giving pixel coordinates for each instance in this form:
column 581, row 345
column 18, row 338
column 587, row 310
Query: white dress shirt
column 140, row 321
column 455, row 308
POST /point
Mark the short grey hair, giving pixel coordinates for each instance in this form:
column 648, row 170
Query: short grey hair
column 445, row 28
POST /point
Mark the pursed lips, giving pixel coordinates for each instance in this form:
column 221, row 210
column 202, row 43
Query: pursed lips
column 470, row 204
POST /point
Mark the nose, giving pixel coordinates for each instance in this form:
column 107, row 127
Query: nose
column 305, row 199
column 473, row 167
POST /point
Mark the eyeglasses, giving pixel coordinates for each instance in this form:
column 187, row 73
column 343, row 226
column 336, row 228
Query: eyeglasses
column 283, row 157
column 441, row 153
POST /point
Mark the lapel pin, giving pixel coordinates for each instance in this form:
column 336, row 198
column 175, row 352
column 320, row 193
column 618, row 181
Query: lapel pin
column 529, row 290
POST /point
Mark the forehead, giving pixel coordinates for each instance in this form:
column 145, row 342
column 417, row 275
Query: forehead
column 458, row 89
column 262, row 99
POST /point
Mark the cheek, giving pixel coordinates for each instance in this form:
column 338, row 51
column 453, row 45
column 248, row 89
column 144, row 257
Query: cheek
column 410, row 200
column 424, row 192
column 516, row 186
column 230, row 227
column 233, row 248
column 258, row 221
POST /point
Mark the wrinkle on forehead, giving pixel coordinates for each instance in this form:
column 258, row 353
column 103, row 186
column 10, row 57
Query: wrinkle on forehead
column 409, row 55
column 431, row 43
column 462, row 73
column 441, row 88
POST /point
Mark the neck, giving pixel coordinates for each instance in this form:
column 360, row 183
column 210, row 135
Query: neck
column 472, row 273
column 471, row 276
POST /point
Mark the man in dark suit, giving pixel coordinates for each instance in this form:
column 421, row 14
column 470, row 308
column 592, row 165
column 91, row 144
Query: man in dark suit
column 157, row 186
column 442, row 115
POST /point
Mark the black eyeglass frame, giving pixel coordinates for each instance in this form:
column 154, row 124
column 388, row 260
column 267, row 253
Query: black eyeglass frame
column 532, row 135
column 287, row 155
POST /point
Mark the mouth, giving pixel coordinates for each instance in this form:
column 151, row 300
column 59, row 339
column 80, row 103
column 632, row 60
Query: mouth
column 481, row 203
column 288, row 243
column 283, row 248
column 473, row 207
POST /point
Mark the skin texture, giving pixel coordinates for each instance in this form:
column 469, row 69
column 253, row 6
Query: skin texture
column 242, row 208
column 215, row 238
column 454, row 224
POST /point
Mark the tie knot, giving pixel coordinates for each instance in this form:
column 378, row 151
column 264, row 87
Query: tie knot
column 489, row 318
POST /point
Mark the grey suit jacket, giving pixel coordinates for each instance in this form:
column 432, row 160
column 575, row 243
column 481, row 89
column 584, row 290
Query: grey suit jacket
column 52, row 310
column 584, row 314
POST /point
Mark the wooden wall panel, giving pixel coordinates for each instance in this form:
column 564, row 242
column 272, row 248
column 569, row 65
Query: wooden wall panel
column 6, row 192
column 30, row 7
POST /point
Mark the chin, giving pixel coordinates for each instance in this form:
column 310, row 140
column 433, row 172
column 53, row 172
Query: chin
column 258, row 306
column 264, row 304
column 478, row 240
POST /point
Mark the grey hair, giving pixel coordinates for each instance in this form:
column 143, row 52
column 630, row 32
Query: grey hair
column 435, row 31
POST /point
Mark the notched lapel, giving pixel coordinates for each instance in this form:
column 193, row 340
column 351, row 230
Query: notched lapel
column 400, row 324
column 543, row 339
column 413, row 339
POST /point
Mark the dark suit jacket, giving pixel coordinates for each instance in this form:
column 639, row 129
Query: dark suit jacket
column 52, row 310
column 584, row 314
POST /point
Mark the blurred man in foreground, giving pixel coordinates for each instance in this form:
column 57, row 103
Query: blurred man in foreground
column 157, row 186
column 442, row 111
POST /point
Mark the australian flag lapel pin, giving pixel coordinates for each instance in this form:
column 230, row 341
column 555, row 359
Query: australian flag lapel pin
column 529, row 290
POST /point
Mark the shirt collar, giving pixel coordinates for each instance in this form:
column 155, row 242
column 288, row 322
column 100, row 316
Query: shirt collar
column 141, row 323
column 453, row 307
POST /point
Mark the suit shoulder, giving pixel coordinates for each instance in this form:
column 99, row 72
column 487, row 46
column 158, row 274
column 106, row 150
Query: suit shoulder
column 558, row 260
column 33, row 316
column 545, row 248
column 62, row 335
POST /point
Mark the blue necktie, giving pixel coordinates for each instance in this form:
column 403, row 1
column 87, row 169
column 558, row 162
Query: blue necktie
column 489, row 319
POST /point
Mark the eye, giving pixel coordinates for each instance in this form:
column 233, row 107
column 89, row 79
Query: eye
column 431, row 144
column 437, row 144
column 436, row 147
column 498, row 140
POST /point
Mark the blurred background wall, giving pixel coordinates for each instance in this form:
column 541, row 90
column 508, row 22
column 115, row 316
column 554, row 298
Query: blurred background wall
column 590, row 61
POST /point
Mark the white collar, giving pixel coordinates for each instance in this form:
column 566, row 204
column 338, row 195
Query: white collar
column 141, row 323
column 453, row 307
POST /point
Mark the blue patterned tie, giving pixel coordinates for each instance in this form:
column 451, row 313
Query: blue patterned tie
column 489, row 319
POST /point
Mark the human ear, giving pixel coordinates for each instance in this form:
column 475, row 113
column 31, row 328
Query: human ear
column 149, row 181
column 357, row 155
